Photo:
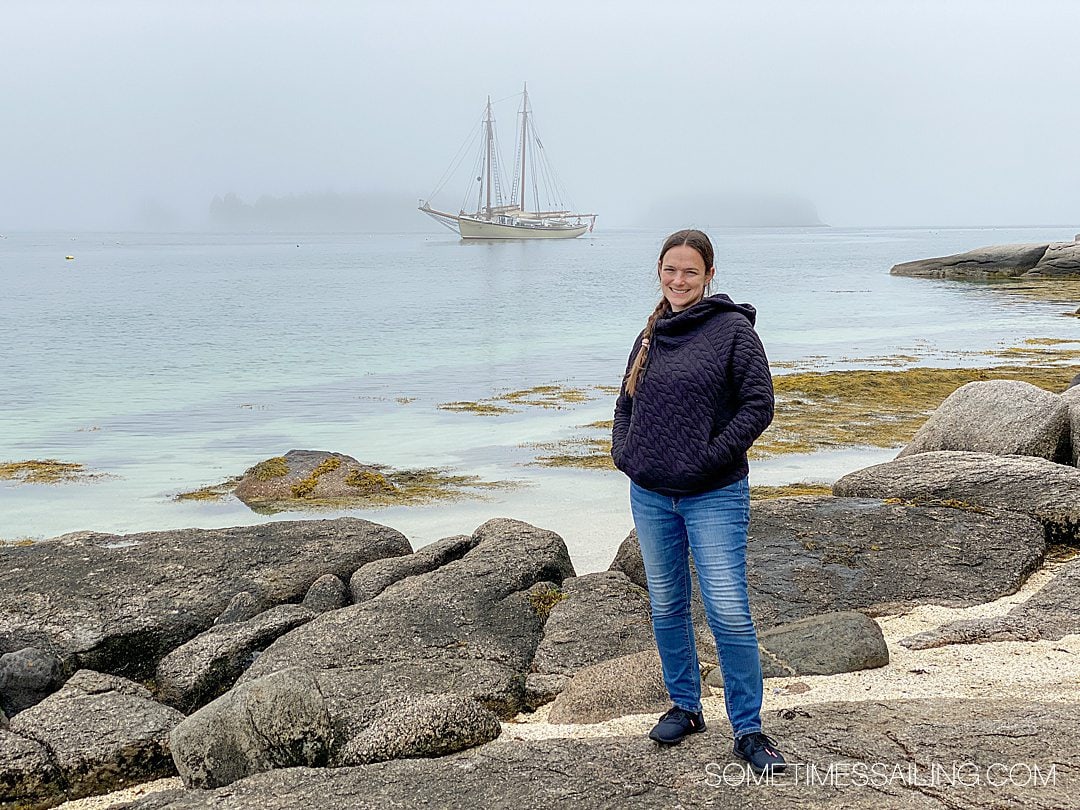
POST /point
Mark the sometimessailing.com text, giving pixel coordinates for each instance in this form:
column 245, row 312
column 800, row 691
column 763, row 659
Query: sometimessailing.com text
column 883, row 774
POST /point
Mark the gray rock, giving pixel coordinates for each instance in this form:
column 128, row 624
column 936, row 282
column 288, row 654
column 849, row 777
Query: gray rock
column 274, row 722
column 241, row 607
column 826, row 644
column 1002, row 417
column 121, row 604
column 418, row 726
column 1075, row 381
column 375, row 577
column 1061, row 259
column 28, row 774
column 621, row 772
column 1050, row 614
column 328, row 592
column 628, row 561
column 995, row 261
column 629, row 684
column 974, row 631
column 103, row 732
column 207, row 666
column 308, row 475
column 285, row 720
column 27, row 676
column 601, row 616
column 3, row 720
column 541, row 689
column 468, row 624
column 1072, row 399
column 817, row 554
column 1048, row 492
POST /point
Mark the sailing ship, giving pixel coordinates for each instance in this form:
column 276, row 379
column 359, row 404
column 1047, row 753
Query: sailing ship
column 494, row 216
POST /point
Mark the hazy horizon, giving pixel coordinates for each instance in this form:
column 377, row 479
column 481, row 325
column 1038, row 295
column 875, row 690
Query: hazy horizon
column 135, row 116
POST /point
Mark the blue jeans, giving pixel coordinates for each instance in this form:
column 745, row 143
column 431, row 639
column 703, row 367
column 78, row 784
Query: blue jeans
column 711, row 526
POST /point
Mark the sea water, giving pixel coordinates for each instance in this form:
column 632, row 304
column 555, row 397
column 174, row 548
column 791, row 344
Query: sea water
column 170, row 362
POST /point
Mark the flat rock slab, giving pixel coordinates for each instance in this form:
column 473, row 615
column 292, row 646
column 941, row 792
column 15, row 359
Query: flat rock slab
column 622, row 772
column 809, row 555
column 202, row 669
column 1002, row 417
column 102, row 733
column 1060, row 259
column 1050, row 614
column 827, row 644
column 995, row 261
column 1048, row 492
column 817, row 554
column 469, row 617
column 119, row 604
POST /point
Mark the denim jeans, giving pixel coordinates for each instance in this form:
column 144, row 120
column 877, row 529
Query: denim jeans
column 712, row 526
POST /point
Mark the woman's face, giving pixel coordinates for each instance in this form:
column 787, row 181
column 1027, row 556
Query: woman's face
column 683, row 276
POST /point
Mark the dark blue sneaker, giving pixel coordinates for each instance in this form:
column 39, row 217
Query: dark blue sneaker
column 760, row 752
column 675, row 724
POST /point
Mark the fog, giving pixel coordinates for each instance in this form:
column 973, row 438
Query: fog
column 136, row 115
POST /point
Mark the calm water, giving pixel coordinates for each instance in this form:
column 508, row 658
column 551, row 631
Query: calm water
column 174, row 361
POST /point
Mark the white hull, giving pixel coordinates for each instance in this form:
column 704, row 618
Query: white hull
column 478, row 229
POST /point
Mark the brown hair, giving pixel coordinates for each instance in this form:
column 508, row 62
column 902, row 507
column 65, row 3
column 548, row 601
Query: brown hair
column 699, row 242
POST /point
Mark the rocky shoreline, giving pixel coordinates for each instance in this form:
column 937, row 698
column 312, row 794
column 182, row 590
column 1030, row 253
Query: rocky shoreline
column 1045, row 260
column 330, row 660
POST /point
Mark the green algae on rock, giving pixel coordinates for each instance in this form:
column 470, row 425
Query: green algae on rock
column 763, row 493
column 480, row 407
column 552, row 396
column 306, row 480
column 822, row 410
column 44, row 471
column 214, row 492
column 21, row 542
column 275, row 467
column 543, row 601
column 305, row 486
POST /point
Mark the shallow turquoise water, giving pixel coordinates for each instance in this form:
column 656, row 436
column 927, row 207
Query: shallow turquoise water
column 174, row 361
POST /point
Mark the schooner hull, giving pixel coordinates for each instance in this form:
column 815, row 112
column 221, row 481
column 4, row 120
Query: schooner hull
column 474, row 229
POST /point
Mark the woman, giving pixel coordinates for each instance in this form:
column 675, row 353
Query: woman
column 696, row 395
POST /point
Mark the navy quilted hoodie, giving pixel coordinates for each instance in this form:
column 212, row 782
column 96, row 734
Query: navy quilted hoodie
column 704, row 398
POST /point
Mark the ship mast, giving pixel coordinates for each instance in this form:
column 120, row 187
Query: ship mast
column 489, row 146
column 524, row 138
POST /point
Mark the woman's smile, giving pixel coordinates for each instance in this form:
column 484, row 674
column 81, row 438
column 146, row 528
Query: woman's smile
column 683, row 277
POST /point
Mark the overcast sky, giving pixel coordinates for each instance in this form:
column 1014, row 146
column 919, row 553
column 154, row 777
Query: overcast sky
column 881, row 113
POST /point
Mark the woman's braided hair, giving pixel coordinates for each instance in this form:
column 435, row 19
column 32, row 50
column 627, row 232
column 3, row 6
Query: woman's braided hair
column 691, row 238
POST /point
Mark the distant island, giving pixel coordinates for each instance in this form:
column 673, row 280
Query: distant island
column 315, row 212
column 732, row 210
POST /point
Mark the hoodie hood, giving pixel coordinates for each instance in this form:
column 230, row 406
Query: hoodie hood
column 674, row 323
